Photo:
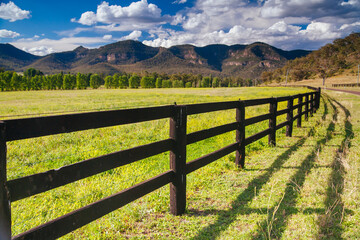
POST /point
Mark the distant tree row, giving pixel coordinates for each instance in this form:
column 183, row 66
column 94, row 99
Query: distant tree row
column 33, row 79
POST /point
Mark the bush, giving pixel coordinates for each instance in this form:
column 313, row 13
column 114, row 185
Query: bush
column 108, row 82
column 205, row 82
column 147, row 82
column 123, row 81
column 178, row 84
column 188, row 85
column 69, row 82
column 166, row 84
column 134, row 81
column 158, row 83
column 95, row 81
column 81, row 81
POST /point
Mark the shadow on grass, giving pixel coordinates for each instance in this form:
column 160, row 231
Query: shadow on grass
column 330, row 221
column 239, row 205
column 275, row 225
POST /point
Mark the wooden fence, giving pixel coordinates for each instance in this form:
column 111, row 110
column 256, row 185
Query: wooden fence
column 345, row 85
column 27, row 186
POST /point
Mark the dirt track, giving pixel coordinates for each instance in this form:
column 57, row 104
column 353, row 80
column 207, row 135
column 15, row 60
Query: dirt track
column 340, row 90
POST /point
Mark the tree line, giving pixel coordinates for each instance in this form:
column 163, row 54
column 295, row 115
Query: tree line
column 33, row 79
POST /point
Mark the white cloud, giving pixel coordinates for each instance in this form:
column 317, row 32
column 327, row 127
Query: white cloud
column 310, row 8
column 87, row 18
column 138, row 15
column 40, row 51
column 353, row 27
column 63, row 44
column 280, row 34
column 277, row 22
column 179, row 1
column 8, row 34
column 320, row 31
column 107, row 37
column 12, row 12
column 133, row 35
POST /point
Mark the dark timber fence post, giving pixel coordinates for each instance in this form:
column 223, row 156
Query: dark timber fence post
column 318, row 94
column 306, row 107
column 290, row 117
column 178, row 160
column 311, row 104
column 240, row 135
column 272, row 122
column 299, row 111
column 5, row 213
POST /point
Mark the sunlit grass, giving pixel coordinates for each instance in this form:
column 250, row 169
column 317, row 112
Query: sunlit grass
column 221, row 199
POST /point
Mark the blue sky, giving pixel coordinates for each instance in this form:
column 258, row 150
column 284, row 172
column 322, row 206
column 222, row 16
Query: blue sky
column 43, row 27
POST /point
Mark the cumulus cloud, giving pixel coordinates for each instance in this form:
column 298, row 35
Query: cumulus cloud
column 179, row 1
column 287, row 24
column 8, row 34
column 132, row 36
column 138, row 15
column 46, row 45
column 320, row 31
column 107, row 37
column 280, row 34
column 310, row 8
column 11, row 12
column 40, row 51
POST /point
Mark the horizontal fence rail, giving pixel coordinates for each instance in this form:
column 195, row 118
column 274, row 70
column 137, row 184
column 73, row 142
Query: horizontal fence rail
column 20, row 188
column 345, row 85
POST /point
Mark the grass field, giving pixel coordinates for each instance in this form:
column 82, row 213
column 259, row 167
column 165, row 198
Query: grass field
column 306, row 187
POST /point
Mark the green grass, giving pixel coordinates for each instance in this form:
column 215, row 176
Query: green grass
column 306, row 187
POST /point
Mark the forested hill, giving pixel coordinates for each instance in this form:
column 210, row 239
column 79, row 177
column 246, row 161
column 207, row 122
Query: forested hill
column 330, row 60
column 246, row 61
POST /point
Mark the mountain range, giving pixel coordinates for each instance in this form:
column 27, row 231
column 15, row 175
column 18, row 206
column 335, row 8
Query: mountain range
column 246, row 61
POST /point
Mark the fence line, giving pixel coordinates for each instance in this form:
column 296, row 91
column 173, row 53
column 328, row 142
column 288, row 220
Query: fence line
column 16, row 129
column 345, row 85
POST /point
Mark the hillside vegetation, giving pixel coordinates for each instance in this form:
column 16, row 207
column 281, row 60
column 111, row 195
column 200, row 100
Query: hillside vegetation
column 245, row 61
column 330, row 60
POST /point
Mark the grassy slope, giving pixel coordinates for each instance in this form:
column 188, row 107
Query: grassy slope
column 344, row 78
column 306, row 187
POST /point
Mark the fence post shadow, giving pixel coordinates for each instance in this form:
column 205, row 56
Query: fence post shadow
column 330, row 221
column 239, row 205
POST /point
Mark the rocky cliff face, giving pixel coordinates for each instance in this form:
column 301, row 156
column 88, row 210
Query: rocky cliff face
column 132, row 56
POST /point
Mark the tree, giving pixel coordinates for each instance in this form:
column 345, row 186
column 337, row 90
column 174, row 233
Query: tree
column 69, row 82
column 95, row 81
column 108, row 82
column 15, row 82
column 327, row 66
column 205, row 83
column 32, row 72
column 81, row 81
column 123, row 81
column 147, row 82
column 166, row 84
column 115, row 80
column 215, row 82
column 134, row 81
column 158, row 83
column 188, row 84
column 178, row 84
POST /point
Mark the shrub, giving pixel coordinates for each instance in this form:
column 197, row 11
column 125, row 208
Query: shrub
column 166, row 84
column 158, row 83
column 147, row 82
column 178, row 84
column 95, row 81
column 134, row 81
